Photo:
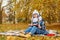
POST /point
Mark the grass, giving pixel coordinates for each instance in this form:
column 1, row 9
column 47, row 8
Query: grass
column 6, row 27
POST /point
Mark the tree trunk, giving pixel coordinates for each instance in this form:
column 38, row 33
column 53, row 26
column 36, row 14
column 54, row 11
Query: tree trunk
column 0, row 14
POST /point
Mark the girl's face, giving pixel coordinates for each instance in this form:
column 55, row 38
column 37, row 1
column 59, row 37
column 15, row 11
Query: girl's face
column 35, row 15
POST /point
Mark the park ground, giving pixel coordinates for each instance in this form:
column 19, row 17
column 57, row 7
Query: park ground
column 22, row 26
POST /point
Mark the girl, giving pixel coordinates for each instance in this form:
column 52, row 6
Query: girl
column 36, row 27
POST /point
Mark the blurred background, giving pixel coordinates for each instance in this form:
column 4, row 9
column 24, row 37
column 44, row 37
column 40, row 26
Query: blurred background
column 16, row 11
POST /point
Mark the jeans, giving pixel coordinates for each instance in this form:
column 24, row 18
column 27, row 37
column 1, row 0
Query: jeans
column 35, row 30
column 31, row 29
column 41, row 31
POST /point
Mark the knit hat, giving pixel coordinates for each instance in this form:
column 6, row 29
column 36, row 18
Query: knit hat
column 35, row 12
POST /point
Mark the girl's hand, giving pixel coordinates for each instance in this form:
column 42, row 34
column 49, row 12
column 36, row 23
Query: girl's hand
column 39, row 26
column 30, row 24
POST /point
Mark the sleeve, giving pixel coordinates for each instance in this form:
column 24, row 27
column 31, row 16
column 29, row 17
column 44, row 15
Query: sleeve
column 40, row 18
